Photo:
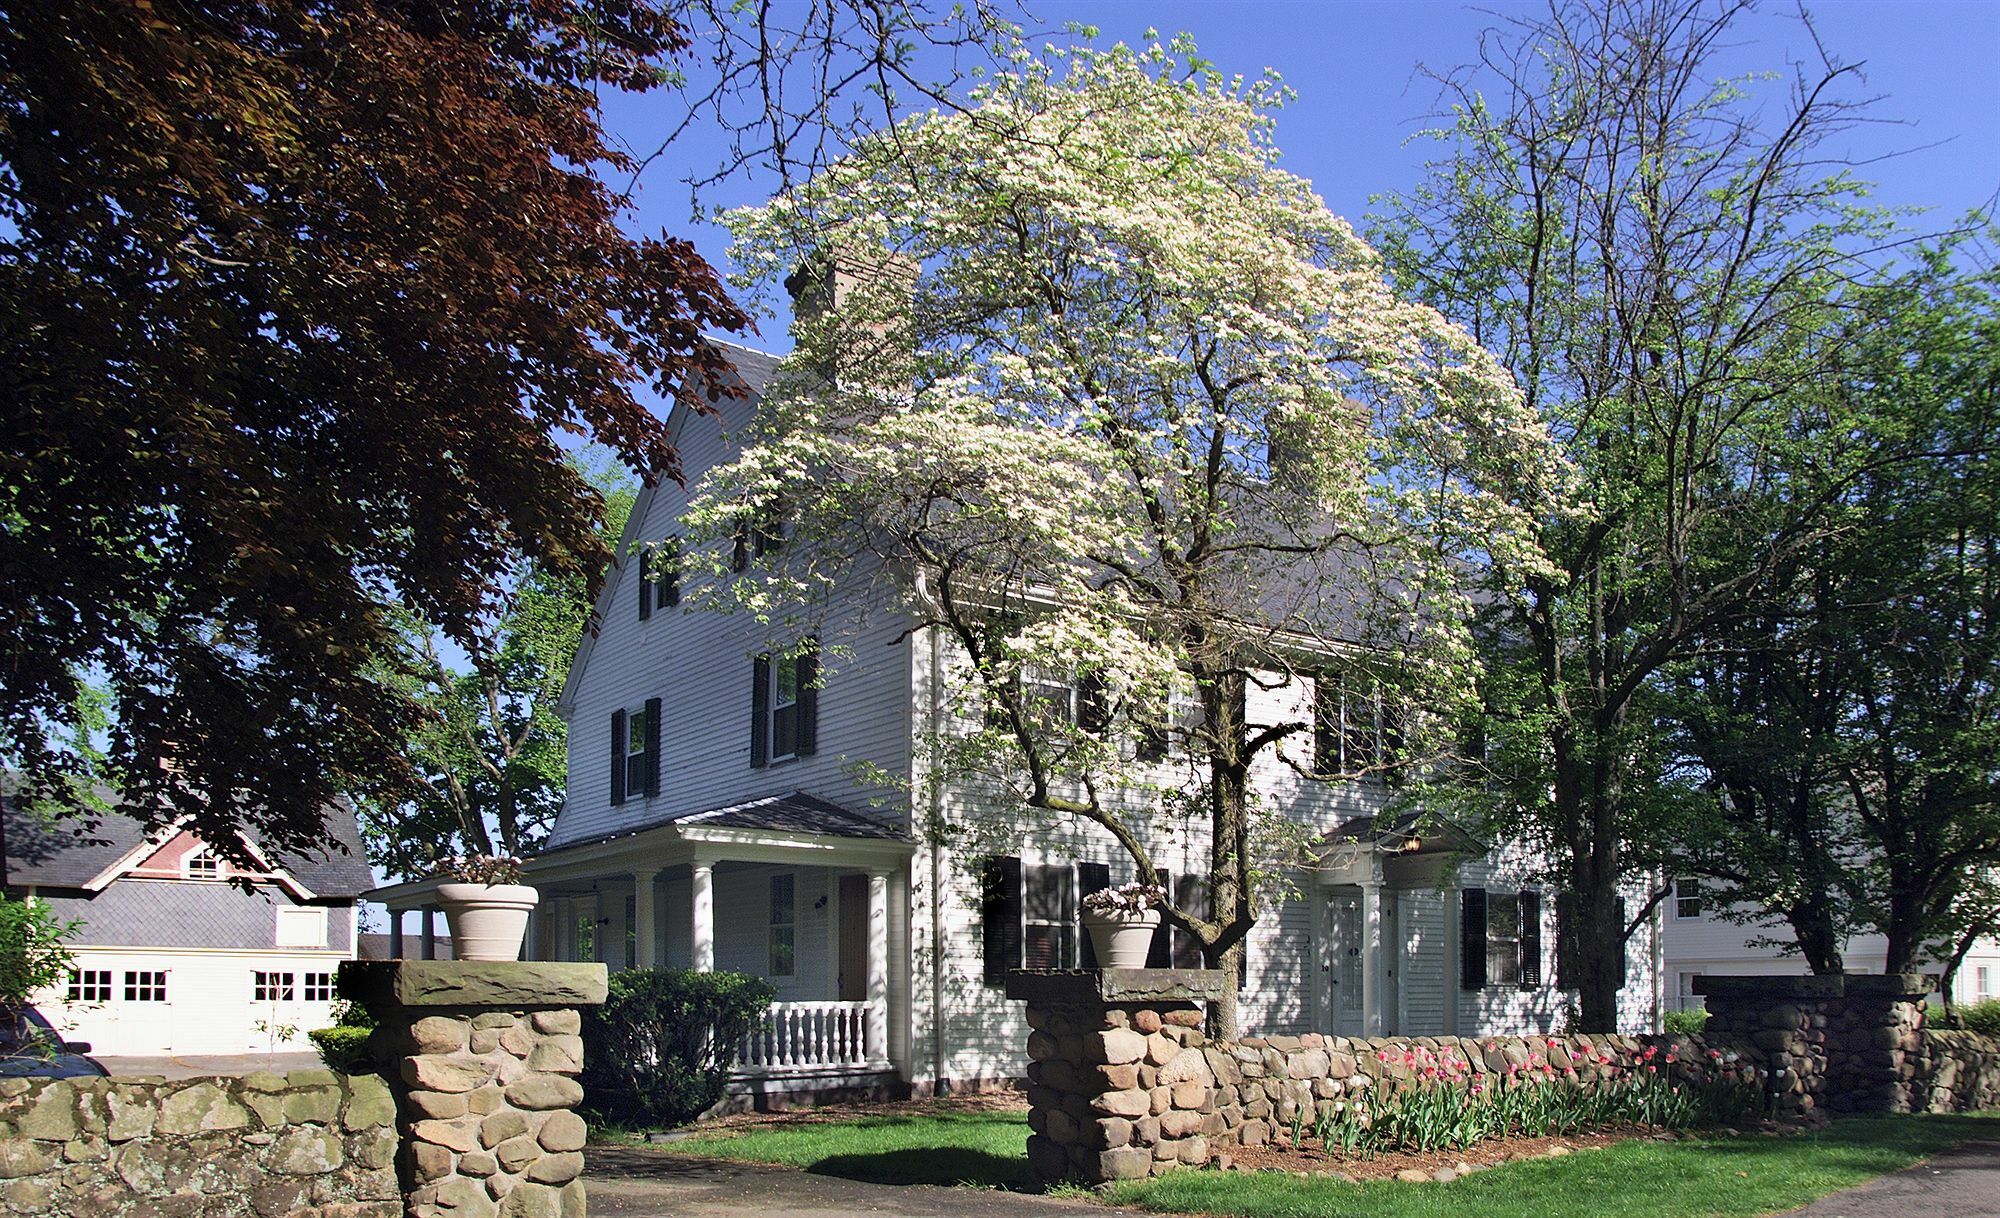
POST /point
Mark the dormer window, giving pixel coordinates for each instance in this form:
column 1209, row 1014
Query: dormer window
column 201, row 863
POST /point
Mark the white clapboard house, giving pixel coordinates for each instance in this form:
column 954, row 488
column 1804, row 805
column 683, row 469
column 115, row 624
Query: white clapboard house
column 718, row 817
column 180, row 951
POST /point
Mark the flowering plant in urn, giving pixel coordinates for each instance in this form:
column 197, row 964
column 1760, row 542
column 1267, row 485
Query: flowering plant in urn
column 1121, row 922
column 485, row 905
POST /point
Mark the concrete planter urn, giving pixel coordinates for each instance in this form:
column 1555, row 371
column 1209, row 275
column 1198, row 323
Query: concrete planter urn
column 1122, row 937
column 488, row 921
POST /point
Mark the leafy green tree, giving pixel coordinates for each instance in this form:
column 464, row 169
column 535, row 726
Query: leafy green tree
column 1658, row 253
column 1845, row 720
column 34, row 954
column 1130, row 419
column 490, row 753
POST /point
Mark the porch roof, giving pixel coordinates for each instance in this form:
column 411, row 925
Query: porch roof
column 1408, row 833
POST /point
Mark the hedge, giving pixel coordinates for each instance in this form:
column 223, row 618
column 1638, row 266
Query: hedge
column 658, row 1051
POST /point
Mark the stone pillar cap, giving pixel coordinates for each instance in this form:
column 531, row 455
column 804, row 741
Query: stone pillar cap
column 1117, row 986
column 514, row 984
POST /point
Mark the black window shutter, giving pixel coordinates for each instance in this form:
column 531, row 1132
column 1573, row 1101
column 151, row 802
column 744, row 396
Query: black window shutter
column 1624, row 957
column 1191, row 894
column 1092, row 714
column 652, row 746
column 1326, row 723
column 1000, row 915
column 1160, row 952
column 617, row 757
column 1565, row 940
column 1472, row 939
column 1090, row 877
column 645, row 583
column 1531, row 940
column 668, row 580
column 1153, row 733
column 760, row 711
column 739, row 556
column 808, row 673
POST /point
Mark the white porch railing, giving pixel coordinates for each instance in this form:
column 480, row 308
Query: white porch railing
column 809, row 1035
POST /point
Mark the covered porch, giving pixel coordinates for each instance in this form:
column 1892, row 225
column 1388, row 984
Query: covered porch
column 793, row 889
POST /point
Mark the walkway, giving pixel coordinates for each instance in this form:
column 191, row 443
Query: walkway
column 640, row 1183
column 1962, row 1183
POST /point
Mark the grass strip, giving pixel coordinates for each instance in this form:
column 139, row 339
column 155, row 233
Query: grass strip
column 1711, row 1178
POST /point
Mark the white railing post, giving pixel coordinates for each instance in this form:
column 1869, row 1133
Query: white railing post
column 810, row 1035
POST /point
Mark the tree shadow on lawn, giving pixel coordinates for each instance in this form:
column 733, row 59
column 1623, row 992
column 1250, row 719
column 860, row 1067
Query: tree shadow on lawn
column 948, row 1165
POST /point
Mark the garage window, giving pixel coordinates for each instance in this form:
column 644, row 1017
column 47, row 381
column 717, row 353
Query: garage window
column 273, row 987
column 319, row 987
column 146, row 985
column 89, row 985
column 304, row 927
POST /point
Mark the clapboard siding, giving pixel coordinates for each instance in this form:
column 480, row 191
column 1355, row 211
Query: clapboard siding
column 698, row 663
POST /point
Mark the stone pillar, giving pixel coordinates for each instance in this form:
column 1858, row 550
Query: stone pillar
column 702, row 934
column 878, row 968
column 1120, row 1079
column 1851, row 1043
column 484, row 1058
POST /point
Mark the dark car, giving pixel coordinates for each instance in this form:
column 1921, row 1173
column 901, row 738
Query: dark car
column 30, row 1047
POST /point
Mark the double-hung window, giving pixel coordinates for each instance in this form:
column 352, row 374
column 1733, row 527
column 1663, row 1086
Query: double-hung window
column 635, row 752
column 1048, row 916
column 784, row 705
column 659, row 577
column 784, row 925
column 1500, row 938
column 1687, row 897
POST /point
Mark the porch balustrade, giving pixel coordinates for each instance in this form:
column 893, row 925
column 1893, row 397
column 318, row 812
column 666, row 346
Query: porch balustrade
column 808, row 1035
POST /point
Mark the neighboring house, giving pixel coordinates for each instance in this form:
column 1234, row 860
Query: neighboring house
column 1698, row 940
column 719, row 815
column 174, row 956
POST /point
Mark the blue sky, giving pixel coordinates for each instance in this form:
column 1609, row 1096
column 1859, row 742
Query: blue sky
column 1361, row 97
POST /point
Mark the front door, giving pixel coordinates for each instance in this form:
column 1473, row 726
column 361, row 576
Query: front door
column 1344, row 974
column 853, row 938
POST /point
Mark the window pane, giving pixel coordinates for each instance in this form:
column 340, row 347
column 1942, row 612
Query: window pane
column 785, row 731
column 1046, row 893
column 635, row 731
column 781, row 951
column 783, row 896
column 785, row 682
column 635, row 775
column 1503, row 938
column 1046, row 946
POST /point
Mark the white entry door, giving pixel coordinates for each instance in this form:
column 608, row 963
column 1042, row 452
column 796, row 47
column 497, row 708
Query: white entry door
column 1343, row 920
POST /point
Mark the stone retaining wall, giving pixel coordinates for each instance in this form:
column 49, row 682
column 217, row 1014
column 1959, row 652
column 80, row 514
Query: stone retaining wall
column 308, row 1144
column 1855, row 1043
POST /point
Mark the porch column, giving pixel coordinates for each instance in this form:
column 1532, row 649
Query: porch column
column 702, row 933
column 878, row 968
column 645, row 936
column 429, row 935
column 396, row 933
column 1371, row 958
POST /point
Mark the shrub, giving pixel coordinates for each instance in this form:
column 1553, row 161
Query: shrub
column 344, row 1046
column 343, row 1049
column 1981, row 1017
column 659, row 1049
column 33, row 956
column 1686, row 1023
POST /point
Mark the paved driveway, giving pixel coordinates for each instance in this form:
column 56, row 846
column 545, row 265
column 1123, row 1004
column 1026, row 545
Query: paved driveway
column 1962, row 1183
column 637, row 1182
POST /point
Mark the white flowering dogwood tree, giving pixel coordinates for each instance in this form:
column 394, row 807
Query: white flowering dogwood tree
column 1121, row 409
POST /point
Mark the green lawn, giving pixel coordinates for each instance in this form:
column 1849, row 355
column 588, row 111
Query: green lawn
column 1744, row 1176
column 985, row 1149
column 1640, row 1179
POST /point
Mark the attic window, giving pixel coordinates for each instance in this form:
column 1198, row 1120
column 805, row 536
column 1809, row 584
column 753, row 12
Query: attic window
column 201, row 863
